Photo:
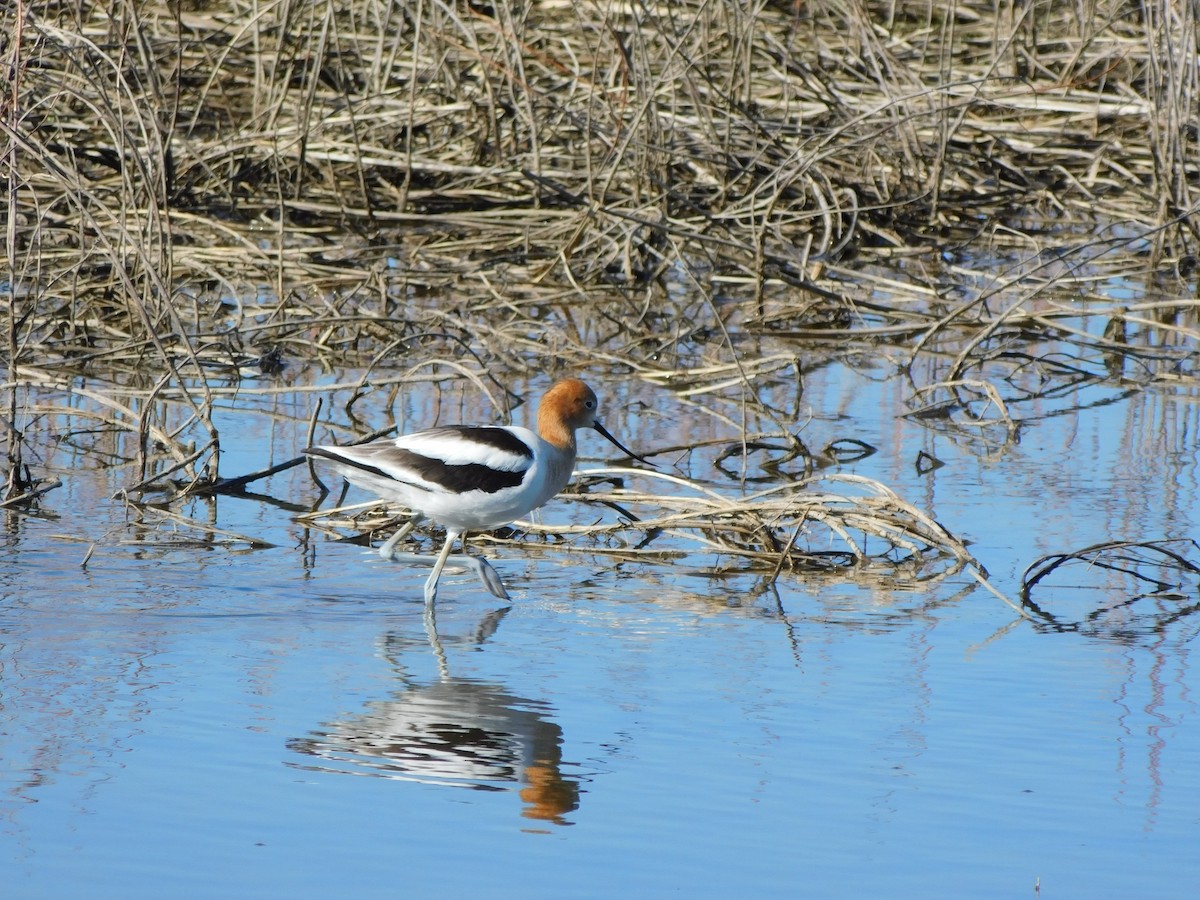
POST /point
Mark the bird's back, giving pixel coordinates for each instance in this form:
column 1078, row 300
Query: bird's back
column 464, row 477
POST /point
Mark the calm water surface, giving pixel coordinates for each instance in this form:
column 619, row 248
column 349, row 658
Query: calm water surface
column 185, row 721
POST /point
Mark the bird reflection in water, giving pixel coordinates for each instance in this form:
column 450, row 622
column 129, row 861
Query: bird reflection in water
column 457, row 732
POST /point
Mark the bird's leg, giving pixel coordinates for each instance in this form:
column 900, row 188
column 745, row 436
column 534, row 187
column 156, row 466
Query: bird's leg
column 488, row 576
column 386, row 550
column 431, row 584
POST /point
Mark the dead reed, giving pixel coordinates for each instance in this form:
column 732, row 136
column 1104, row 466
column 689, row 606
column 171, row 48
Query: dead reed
column 694, row 193
column 192, row 179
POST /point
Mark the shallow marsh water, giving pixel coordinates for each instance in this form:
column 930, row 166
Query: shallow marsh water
column 189, row 720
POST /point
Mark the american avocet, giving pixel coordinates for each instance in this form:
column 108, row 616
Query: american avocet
column 473, row 478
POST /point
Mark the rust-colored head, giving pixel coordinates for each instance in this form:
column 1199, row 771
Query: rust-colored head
column 568, row 405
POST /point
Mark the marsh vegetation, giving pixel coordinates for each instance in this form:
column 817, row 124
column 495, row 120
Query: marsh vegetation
column 887, row 292
column 713, row 198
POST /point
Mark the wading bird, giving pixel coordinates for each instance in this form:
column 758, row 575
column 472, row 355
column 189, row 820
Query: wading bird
column 473, row 478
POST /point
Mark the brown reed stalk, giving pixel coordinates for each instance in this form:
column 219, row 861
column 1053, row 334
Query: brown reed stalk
column 15, row 481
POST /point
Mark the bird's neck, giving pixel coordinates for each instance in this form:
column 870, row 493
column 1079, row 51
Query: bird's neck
column 559, row 465
column 555, row 432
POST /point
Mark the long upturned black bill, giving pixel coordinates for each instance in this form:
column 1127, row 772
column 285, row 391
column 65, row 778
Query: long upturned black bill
column 612, row 440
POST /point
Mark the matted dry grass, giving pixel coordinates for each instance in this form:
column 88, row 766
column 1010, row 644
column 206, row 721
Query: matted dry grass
column 695, row 193
column 302, row 175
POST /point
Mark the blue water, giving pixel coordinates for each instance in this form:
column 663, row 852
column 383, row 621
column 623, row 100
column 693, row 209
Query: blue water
column 184, row 721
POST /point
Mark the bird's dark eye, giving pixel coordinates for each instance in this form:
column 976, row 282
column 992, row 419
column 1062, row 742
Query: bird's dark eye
column 590, row 404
